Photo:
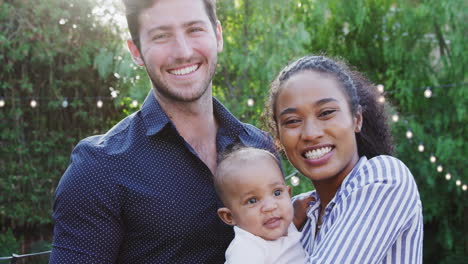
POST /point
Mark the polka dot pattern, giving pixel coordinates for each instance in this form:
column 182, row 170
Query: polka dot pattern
column 140, row 194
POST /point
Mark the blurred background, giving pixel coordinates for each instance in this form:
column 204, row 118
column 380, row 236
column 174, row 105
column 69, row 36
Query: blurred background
column 65, row 74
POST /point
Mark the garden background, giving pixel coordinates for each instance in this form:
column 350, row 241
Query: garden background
column 65, row 74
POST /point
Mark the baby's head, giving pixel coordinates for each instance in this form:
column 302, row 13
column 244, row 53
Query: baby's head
column 250, row 183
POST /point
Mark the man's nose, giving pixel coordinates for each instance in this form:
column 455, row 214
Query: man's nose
column 182, row 47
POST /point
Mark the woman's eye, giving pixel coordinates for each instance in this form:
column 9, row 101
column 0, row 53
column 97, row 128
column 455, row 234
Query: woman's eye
column 277, row 192
column 326, row 113
column 252, row 200
column 291, row 121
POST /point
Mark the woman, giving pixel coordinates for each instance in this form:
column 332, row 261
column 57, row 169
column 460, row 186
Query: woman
column 366, row 205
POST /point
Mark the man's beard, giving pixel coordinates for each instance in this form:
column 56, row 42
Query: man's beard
column 162, row 87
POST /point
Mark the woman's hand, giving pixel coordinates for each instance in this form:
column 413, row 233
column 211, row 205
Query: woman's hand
column 300, row 205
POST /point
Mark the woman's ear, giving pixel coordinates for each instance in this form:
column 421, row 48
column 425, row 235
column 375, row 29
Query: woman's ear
column 358, row 120
column 225, row 214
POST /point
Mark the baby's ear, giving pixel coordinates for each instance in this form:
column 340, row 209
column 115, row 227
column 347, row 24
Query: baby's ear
column 225, row 214
column 289, row 190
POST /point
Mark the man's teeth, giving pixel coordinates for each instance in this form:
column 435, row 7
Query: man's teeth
column 185, row 70
column 317, row 153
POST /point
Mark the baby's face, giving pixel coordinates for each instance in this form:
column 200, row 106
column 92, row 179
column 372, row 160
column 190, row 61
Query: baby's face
column 260, row 200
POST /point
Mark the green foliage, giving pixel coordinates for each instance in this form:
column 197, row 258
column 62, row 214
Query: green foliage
column 8, row 243
column 50, row 50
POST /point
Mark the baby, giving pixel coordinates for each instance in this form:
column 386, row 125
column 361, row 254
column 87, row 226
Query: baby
column 258, row 204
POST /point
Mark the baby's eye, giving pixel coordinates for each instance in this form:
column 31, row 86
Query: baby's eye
column 277, row 192
column 252, row 200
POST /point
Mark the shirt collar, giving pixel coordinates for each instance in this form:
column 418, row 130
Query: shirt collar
column 156, row 119
column 316, row 204
column 349, row 178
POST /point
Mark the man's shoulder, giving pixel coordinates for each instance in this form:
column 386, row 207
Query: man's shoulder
column 116, row 140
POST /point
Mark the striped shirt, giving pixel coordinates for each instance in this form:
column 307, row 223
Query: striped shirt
column 374, row 217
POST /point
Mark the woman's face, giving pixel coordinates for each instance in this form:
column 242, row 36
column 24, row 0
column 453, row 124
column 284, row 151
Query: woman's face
column 316, row 127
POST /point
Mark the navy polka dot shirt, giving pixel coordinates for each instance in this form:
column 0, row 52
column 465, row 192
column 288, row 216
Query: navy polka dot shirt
column 140, row 194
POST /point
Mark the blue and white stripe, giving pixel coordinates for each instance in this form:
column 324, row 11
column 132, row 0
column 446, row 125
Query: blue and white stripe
column 375, row 217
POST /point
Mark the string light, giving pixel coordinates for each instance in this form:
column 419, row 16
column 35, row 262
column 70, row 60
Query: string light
column 409, row 134
column 428, row 93
column 433, row 158
column 421, row 147
column 295, row 181
column 395, row 118
column 99, row 103
column 65, row 103
column 464, row 187
column 448, row 176
column 380, row 88
column 440, row 168
column 381, row 99
column 134, row 103
column 2, row 102
column 458, row 183
column 33, row 103
column 250, row 102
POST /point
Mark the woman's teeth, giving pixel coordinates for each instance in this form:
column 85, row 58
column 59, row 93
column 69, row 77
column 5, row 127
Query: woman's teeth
column 317, row 153
column 184, row 71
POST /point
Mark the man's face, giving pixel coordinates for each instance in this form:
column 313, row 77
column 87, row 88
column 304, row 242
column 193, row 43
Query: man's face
column 179, row 48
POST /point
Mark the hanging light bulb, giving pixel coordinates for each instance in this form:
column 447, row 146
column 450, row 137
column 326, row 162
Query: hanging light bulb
column 99, row 103
column 134, row 103
column 380, row 88
column 250, row 102
column 440, row 168
column 381, row 99
column 421, row 147
column 409, row 134
column 33, row 103
column 428, row 93
column 395, row 118
column 458, row 182
column 448, row 176
column 2, row 102
column 65, row 103
column 295, row 181
column 433, row 158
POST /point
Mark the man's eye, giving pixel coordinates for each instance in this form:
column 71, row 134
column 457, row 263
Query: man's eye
column 252, row 200
column 160, row 36
column 195, row 29
column 277, row 192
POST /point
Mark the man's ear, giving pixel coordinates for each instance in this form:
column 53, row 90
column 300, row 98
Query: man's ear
column 135, row 52
column 219, row 36
column 225, row 214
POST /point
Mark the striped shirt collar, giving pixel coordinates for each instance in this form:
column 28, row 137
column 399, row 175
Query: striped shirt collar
column 344, row 185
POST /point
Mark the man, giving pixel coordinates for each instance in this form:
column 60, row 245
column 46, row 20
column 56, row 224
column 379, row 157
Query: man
column 143, row 192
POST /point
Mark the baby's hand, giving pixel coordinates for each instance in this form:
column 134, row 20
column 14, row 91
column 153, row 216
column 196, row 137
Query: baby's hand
column 300, row 206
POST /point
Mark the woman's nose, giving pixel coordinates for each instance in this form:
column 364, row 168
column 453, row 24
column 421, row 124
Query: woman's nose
column 311, row 130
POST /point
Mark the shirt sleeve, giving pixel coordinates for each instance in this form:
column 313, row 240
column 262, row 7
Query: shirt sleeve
column 372, row 218
column 87, row 226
